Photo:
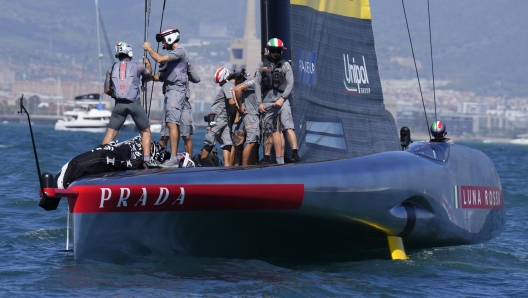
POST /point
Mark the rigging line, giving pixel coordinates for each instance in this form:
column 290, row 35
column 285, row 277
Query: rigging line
column 78, row 87
column 106, row 37
column 156, row 64
column 432, row 64
column 416, row 69
column 145, row 37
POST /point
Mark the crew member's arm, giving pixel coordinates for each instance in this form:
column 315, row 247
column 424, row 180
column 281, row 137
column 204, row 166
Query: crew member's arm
column 159, row 58
column 107, row 88
column 145, row 70
column 148, row 66
column 258, row 94
column 194, row 77
column 237, row 95
column 289, row 85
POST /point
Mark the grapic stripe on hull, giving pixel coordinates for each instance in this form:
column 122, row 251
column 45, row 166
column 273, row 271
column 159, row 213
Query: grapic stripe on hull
column 190, row 197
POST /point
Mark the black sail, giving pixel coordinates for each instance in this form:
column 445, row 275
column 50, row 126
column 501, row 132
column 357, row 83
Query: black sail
column 337, row 101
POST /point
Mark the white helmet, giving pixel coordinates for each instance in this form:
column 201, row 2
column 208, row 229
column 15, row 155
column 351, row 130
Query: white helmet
column 123, row 48
column 221, row 74
column 169, row 35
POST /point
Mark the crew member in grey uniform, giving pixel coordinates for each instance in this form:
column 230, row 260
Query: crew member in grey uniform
column 236, row 120
column 218, row 128
column 274, row 82
column 173, row 74
column 187, row 119
column 123, row 83
column 244, row 94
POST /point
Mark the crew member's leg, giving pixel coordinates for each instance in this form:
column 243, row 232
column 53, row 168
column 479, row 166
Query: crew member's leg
column 143, row 125
column 269, row 124
column 288, row 128
column 119, row 114
column 164, row 131
column 238, row 142
column 187, row 129
column 227, row 145
column 252, row 128
column 278, row 139
column 175, row 101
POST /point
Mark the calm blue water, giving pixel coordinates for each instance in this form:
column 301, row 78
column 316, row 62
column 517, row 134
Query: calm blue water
column 33, row 262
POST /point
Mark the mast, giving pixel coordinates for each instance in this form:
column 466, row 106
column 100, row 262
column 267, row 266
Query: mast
column 100, row 55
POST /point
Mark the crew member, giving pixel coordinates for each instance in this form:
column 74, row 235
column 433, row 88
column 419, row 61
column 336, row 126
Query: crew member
column 236, row 120
column 439, row 131
column 123, row 84
column 173, row 74
column 244, row 93
column 273, row 82
column 218, row 128
column 187, row 119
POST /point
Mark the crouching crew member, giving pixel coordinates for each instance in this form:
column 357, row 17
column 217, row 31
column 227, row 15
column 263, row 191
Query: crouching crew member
column 218, row 128
column 274, row 80
column 123, row 83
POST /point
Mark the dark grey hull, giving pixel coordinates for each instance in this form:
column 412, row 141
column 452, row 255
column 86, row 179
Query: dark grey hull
column 344, row 206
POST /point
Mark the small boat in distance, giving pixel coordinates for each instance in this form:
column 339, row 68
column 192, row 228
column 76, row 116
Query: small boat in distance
column 89, row 114
column 520, row 140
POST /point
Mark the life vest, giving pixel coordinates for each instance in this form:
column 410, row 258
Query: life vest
column 125, row 80
column 273, row 77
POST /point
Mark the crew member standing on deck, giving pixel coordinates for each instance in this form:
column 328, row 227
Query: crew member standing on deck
column 244, row 93
column 123, row 84
column 187, row 119
column 273, row 82
column 173, row 74
column 218, row 128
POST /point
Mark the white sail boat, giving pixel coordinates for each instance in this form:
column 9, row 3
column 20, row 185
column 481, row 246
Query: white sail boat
column 355, row 189
column 89, row 113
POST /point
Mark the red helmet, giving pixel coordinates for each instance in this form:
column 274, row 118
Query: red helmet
column 221, row 74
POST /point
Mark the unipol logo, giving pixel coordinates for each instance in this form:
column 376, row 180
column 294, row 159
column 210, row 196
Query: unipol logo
column 355, row 75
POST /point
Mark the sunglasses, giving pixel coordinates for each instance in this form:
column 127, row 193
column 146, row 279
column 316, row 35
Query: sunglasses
column 275, row 50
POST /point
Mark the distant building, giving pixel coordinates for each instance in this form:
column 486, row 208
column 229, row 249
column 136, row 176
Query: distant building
column 246, row 51
column 472, row 107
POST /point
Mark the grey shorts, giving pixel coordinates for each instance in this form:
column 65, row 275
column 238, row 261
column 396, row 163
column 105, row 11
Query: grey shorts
column 286, row 118
column 186, row 124
column 219, row 132
column 173, row 106
column 271, row 118
column 252, row 128
column 124, row 108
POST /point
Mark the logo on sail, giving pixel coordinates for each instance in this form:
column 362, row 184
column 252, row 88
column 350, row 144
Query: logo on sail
column 306, row 67
column 355, row 76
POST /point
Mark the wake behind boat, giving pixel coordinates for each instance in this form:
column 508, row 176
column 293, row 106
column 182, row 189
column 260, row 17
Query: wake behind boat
column 356, row 189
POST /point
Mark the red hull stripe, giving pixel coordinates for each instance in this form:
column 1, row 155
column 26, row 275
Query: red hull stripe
column 193, row 197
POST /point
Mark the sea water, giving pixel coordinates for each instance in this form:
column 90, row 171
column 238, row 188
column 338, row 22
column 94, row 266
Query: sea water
column 33, row 260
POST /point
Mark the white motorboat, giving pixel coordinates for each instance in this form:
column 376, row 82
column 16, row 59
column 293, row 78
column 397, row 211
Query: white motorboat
column 89, row 114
